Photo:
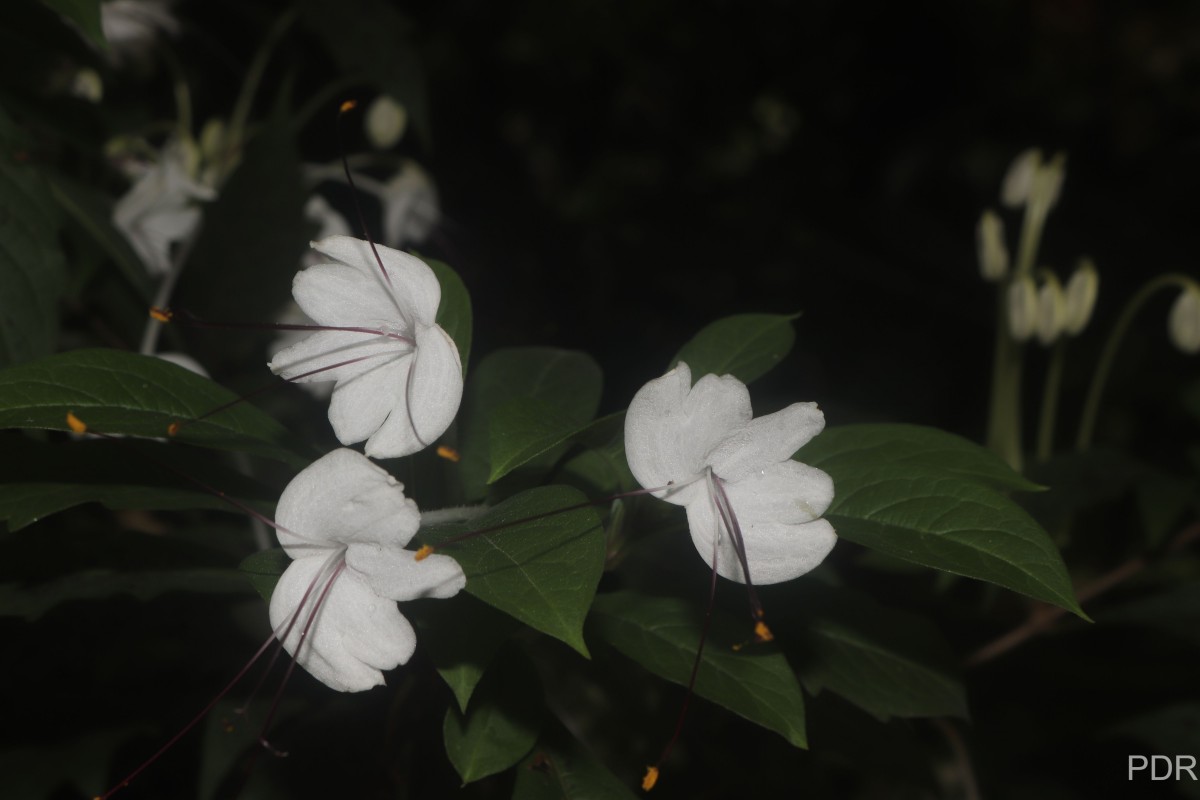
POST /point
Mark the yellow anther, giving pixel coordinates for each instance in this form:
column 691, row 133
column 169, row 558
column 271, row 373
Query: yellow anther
column 650, row 779
column 347, row 105
column 160, row 314
column 762, row 633
column 449, row 453
column 425, row 552
column 75, row 423
column 173, row 429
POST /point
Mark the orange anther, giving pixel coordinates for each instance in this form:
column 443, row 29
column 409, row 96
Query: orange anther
column 650, row 779
column 347, row 105
column 425, row 552
column 762, row 633
column 173, row 429
column 160, row 314
column 449, row 453
column 75, row 423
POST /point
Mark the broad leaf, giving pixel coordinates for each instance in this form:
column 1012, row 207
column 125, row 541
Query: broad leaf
column 887, row 662
column 746, row 346
column 537, row 563
column 39, row 479
column 662, row 634
column 561, row 768
column 32, row 268
column 914, row 498
column 116, row 392
column 501, row 724
column 495, row 430
column 461, row 636
column 263, row 569
column 454, row 313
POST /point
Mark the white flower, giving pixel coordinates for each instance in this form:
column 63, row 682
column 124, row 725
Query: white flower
column 1051, row 311
column 1183, row 324
column 133, row 27
column 410, row 206
column 989, row 241
column 346, row 522
column 399, row 377
column 728, row 469
column 1080, row 294
column 160, row 209
column 385, row 122
column 1022, row 308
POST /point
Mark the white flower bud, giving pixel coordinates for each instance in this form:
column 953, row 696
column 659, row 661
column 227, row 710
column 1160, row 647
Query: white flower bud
column 1183, row 324
column 1022, row 308
column 87, row 85
column 1047, row 183
column 1018, row 181
column 1080, row 295
column 1051, row 311
column 989, row 240
column 385, row 122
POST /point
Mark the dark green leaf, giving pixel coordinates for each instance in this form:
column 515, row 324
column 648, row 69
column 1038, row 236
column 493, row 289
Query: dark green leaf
column 918, row 500
column 85, row 14
column 662, row 634
column 524, row 429
column 454, row 313
column 887, row 662
column 32, row 268
column 264, row 568
column 564, row 380
column 124, row 393
column 461, row 636
column 746, row 346
column 501, row 724
column 31, row 602
column 561, row 768
column 370, row 39
column 542, row 571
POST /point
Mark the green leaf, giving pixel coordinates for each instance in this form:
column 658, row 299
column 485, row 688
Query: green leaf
column 887, row 662
column 561, row 768
column 461, row 635
column 40, row 478
column 662, row 633
column 31, row 602
column 454, row 312
column 263, row 569
column 495, row 433
column 903, row 491
column 542, row 571
column 32, row 268
column 746, row 346
column 85, row 14
column 372, row 40
column 502, row 723
column 124, row 393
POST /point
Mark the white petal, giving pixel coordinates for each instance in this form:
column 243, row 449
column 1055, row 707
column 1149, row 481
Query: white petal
column 354, row 635
column 341, row 294
column 766, row 440
column 788, row 492
column 412, row 283
column 322, row 352
column 775, row 551
column 361, row 405
column 429, row 398
column 342, row 498
column 396, row 574
column 651, row 436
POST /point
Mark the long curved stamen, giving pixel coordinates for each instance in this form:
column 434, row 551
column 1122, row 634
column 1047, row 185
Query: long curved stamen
column 346, row 106
column 716, row 488
column 186, row 318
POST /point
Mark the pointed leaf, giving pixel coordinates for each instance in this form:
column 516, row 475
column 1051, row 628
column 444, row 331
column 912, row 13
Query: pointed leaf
column 917, row 500
column 454, row 312
column 501, row 725
column 124, row 393
column 263, row 569
column 461, row 636
column 544, row 570
column 662, row 633
column 746, row 346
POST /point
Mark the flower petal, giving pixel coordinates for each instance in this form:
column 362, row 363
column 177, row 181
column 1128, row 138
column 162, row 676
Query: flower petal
column 787, row 492
column 412, row 283
column 766, row 440
column 347, row 294
column 343, row 498
column 396, row 574
column 430, row 396
column 325, row 349
column 354, row 635
column 361, row 405
column 775, row 551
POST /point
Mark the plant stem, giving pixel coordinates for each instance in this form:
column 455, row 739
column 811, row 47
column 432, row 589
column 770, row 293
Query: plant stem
column 1050, row 394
